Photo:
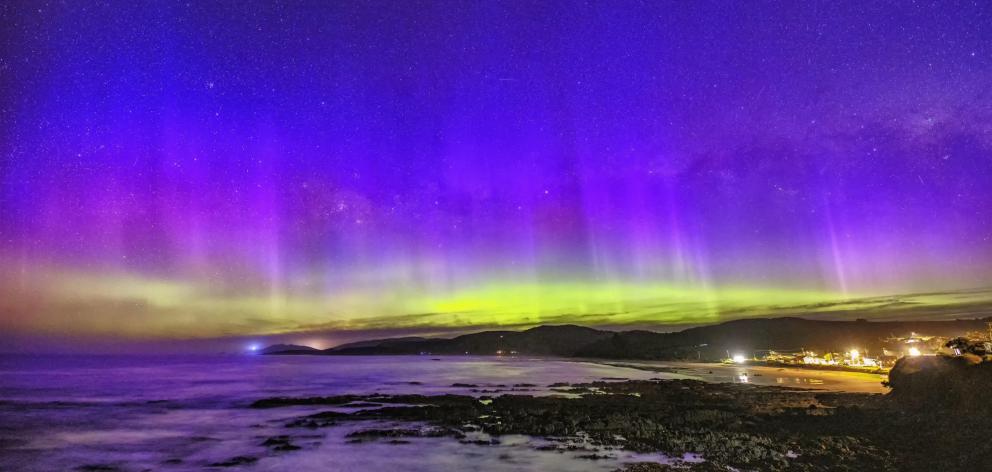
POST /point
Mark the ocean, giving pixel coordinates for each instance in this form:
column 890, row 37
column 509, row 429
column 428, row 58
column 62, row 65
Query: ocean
column 173, row 413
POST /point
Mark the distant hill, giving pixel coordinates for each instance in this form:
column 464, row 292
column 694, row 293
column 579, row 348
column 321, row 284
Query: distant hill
column 289, row 349
column 782, row 334
column 376, row 343
column 700, row 343
column 565, row 341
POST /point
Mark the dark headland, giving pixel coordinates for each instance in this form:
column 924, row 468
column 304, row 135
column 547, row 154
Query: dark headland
column 705, row 343
column 288, row 348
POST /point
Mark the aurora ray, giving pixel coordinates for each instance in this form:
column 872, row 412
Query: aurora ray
column 449, row 165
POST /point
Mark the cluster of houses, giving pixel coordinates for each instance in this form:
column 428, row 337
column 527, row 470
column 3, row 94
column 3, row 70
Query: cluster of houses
column 892, row 350
column 852, row 358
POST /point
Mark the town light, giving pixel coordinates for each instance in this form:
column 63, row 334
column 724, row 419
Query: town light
column 914, row 352
column 739, row 358
column 855, row 355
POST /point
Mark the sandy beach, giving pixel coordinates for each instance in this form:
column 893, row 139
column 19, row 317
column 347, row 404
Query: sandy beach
column 828, row 380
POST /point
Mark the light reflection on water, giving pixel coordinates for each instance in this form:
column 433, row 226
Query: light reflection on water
column 183, row 413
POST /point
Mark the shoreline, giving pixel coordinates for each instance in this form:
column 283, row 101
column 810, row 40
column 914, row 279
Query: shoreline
column 834, row 380
column 517, row 411
column 764, row 375
column 729, row 426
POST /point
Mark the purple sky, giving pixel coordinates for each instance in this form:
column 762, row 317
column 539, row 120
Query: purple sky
column 176, row 169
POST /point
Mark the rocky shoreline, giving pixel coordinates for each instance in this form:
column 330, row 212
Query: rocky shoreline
column 731, row 426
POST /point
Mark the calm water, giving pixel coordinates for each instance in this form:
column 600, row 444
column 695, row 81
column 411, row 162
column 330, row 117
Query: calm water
column 185, row 413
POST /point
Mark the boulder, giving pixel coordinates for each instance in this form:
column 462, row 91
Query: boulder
column 942, row 382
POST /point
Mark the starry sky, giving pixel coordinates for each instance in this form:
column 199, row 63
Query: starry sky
column 196, row 169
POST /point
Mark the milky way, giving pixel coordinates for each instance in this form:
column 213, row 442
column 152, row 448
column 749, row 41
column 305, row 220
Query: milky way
column 186, row 169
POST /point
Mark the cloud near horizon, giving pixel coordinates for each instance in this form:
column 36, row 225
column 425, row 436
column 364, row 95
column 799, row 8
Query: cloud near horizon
column 67, row 305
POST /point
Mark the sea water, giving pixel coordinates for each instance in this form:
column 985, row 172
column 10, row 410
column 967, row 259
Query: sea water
column 134, row 413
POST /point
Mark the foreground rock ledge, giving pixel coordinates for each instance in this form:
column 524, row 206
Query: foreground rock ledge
column 731, row 425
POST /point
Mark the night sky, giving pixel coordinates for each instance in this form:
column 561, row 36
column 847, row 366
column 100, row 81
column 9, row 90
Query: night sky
column 173, row 169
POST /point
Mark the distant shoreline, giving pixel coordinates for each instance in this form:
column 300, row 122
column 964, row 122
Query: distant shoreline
column 739, row 339
column 787, row 376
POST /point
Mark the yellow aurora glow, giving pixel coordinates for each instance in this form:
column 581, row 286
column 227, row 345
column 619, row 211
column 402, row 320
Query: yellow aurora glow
column 61, row 302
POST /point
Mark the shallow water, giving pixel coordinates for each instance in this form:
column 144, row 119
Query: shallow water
column 186, row 413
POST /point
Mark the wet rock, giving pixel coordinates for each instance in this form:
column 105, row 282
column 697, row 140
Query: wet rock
column 280, row 443
column 362, row 405
column 480, row 442
column 98, row 468
column 383, row 433
column 236, row 461
column 595, row 457
column 318, row 420
column 276, row 402
column 374, row 434
column 576, row 390
column 744, row 427
column 645, row 467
